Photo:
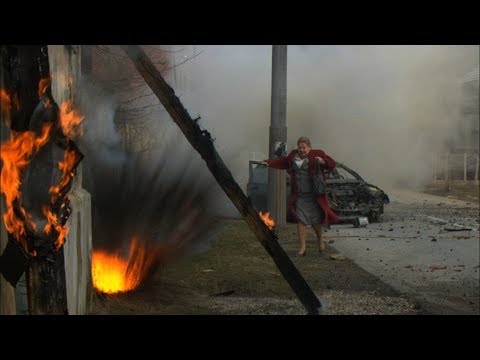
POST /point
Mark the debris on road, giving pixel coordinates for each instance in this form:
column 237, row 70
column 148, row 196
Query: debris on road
column 338, row 257
column 435, row 267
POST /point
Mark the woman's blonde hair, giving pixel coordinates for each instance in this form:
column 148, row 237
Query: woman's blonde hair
column 305, row 140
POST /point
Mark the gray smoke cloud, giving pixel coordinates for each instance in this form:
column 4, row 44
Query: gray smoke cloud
column 145, row 194
column 382, row 110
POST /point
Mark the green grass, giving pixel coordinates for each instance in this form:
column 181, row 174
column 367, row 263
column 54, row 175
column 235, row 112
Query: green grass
column 236, row 261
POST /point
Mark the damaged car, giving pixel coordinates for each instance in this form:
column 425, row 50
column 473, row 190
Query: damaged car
column 349, row 195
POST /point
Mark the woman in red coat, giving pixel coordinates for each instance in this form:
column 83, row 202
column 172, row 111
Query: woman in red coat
column 306, row 207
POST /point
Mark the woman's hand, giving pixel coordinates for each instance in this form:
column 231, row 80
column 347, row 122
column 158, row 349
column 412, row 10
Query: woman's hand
column 320, row 160
column 264, row 163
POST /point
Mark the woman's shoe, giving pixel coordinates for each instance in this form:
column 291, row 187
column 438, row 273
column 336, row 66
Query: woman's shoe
column 302, row 254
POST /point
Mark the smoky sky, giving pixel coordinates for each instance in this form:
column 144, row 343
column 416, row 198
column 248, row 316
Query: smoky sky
column 382, row 110
column 135, row 195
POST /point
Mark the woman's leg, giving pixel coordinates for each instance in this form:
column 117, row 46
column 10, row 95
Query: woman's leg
column 302, row 236
column 319, row 231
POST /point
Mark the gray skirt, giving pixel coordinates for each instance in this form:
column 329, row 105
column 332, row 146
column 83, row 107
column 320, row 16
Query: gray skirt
column 308, row 210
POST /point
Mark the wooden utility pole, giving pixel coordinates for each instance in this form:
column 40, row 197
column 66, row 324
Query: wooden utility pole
column 476, row 167
column 277, row 185
column 202, row 142
column 7, row 292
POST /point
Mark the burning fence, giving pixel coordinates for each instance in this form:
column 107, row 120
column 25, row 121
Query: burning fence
column 37, row 222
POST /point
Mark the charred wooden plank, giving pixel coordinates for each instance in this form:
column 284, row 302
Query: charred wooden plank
column 201, row 141
column 46, row 284
column 13, row 261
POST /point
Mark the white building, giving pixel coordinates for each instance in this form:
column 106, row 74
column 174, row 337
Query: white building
column 469, row 115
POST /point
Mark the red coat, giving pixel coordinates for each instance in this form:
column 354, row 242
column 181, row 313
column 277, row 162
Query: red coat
column 322, row 200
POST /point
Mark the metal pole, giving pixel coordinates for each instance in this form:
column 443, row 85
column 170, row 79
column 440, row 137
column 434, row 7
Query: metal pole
column 277, row 188
column 174, row 65
column 476, row 169
column 447, row 177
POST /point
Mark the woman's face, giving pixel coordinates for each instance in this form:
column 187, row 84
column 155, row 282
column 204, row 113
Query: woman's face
column 303, row 149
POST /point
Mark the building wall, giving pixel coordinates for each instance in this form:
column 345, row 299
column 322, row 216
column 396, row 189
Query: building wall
column 459, row 164
column 470, row 115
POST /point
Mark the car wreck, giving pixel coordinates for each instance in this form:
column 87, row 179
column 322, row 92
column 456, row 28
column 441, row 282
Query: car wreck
column 349, row 195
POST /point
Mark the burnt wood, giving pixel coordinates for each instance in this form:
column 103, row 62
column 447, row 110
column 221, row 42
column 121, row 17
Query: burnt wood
column 46, row 286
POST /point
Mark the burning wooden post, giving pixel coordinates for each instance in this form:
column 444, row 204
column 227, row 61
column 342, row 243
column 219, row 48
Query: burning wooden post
column 7, row 292
column 28, row 157
column 67, row 64
column 203, row 143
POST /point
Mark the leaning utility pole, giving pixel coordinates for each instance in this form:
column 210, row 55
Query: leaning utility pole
column 202, row 142
column 277, row 186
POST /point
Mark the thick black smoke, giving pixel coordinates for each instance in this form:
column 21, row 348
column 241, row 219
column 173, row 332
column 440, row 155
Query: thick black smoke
column 129, row 199
column 155, row 196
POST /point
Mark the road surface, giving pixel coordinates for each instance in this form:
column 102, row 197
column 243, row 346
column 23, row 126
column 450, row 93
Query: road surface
column 419, row 249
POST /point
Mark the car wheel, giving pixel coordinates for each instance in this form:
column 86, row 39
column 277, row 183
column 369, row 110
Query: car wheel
column 373, row 216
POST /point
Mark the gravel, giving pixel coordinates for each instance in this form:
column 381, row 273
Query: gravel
column 334, row 303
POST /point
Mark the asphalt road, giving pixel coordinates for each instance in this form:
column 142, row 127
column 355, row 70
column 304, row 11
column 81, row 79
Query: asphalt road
column 419, row 249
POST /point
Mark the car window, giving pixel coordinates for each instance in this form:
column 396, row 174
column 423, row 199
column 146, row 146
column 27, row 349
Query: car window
column 344, row 174
column 259, row 174
column 339, row 173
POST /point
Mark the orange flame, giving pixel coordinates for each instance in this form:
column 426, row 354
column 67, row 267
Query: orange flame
column 112, row 273
column 52, row 223
column 70, row 120
column 51, row 219
column 7, row 102
column 70, row 158
column 16, row 154
column 62, row 234
column 267, row 220
column 43, row 85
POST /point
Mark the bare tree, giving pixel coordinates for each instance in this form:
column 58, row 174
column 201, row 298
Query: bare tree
column 136, row 117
